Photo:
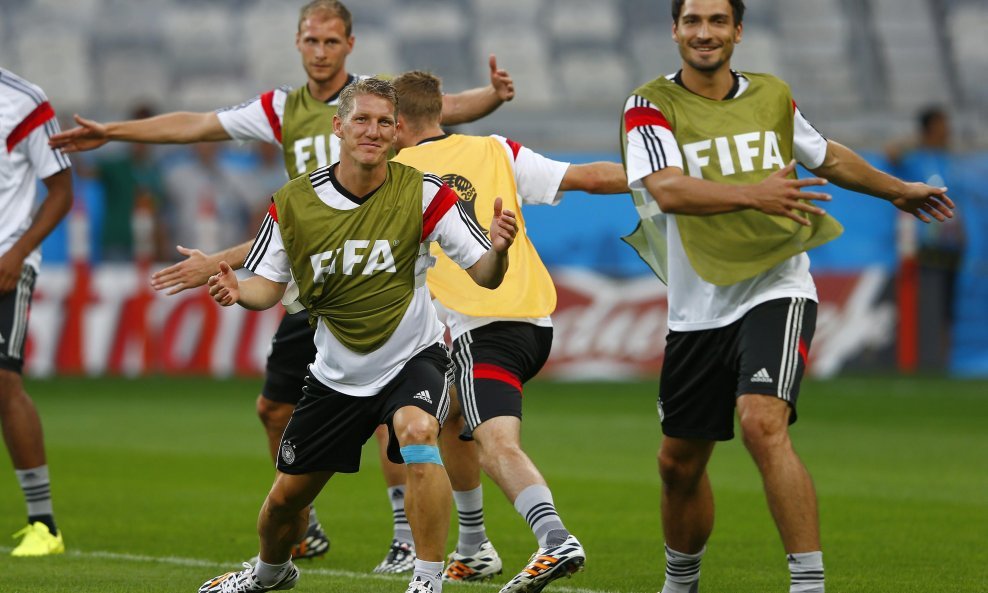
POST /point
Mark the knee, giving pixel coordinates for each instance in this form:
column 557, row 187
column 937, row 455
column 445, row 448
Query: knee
column 278, row 504
column 679, row 470
column 417, row 429
column 762, row 433
column 274, row 415
column 11, row 386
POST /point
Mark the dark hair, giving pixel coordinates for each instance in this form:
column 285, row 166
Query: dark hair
column 737, row 6
column 929, row 114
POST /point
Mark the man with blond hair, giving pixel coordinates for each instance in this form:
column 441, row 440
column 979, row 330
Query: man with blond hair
column 300, row 121
column 354, row 236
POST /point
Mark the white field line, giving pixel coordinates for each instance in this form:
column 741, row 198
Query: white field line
column 331, row 572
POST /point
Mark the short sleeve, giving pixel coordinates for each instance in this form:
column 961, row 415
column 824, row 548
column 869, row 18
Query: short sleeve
column 651, row 143
column 809, row 145
column 257, row 119
column 30, row 138
column 445, row 222
column 267, row 256
column 537, row 177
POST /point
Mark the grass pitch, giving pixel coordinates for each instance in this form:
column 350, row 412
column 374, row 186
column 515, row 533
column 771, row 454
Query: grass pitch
column 157, row 483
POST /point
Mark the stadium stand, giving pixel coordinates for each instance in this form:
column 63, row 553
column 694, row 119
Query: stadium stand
column 859, row 69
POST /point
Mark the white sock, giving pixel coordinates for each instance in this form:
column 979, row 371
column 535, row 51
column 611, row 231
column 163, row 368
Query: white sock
column 269, row 574
column 37, row 489
column 682, row 570
column 430, row 572
column 470, row 511
column 535, row 505
column 806, row 572
column 313, row 519
column 402, row 530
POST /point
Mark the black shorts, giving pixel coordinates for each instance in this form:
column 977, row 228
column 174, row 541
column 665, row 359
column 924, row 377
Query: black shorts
column 15, row 308
column 329, row 428
column 292, row 350
column 705, row 371
column 492, row 362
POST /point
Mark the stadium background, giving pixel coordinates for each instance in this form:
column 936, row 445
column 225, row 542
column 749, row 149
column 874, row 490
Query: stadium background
column 157, row 478
column 859, row 70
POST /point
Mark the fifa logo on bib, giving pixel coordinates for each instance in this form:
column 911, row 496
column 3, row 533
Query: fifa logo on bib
column 759, row 149
column 356, row 257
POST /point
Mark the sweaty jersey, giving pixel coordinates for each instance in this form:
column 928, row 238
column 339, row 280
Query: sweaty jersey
column 653, row 145
column 480, row 169
column 27, row 120
column 292, row 119
column 338, row 269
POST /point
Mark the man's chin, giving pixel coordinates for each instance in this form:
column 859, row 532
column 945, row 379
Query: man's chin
column 706, row 66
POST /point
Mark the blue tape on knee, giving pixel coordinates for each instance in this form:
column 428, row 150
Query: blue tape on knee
column 421, row 454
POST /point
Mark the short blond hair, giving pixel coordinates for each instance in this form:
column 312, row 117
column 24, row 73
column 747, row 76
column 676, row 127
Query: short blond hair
column 421, row 96
column 334, row 8
column 365, row 86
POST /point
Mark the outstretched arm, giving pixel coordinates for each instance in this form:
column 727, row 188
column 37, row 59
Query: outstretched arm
column 490, row 269
column 196, row 269
column 776, row 195
column 255, row 293
column 180, row 127
column 595, row 178
column 474, row 104
column 56, row 205
column 847, row 169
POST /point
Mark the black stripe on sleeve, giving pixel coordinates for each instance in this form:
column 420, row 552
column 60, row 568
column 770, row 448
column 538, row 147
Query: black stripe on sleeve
column 260, row 246
column 475, row 229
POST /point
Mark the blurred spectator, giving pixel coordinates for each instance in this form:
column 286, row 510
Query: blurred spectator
column 265, row 176
column 129, row 176
column 206, row 201
column 940, row 247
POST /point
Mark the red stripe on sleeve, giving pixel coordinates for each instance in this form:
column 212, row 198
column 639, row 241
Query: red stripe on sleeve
column 804, row 350
column 496, row 373
column 273, row 212
column 644, row 116
column 41, row 114
column 515, row 147
column 794, row 108
column 440, row 205
column 267, row 103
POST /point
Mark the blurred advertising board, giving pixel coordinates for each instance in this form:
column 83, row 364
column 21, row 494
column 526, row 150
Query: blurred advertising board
column 107, row 320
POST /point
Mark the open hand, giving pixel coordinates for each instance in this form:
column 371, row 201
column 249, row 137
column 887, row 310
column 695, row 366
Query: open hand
column 224, row 286
column 503, row 85
column 89, row 134
column 923, row 201
column 778, row 195
column 192, row 272
column 504, row 227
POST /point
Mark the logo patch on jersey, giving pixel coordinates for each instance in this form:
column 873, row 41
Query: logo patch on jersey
column 356, row 257
column 761, row 376
column 288, row 452
column 468, row 196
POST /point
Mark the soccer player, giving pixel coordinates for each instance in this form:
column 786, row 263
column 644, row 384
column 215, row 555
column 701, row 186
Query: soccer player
column 710, row 155
column 300, row 121
column 26, row 122
column 501, row 338
column 355, row 236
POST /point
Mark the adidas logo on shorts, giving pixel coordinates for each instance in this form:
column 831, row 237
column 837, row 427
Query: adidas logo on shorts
column 761, row 376
column 424, row 396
